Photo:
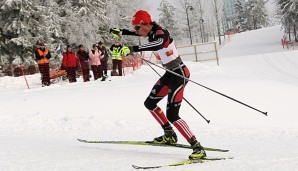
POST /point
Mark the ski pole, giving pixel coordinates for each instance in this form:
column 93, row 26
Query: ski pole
column 208, row 121
column 265, row 113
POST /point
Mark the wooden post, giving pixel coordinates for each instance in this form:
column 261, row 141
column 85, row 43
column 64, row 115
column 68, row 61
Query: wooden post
column 195, row 46
column 216, row 52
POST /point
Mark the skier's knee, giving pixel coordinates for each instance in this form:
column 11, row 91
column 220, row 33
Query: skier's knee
column 173, row 117
column 173, row 112
column 149, row 104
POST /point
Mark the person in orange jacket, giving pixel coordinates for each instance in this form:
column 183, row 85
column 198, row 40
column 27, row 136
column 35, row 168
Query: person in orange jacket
column 42, row 56
column 70, row 64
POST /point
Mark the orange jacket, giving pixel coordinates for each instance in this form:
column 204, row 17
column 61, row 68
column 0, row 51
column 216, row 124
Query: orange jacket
column 42, row 53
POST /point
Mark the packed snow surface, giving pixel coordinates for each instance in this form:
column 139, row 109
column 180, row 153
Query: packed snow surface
column 39, row 126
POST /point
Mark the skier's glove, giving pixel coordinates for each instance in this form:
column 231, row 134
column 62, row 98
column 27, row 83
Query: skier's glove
column 116, row 32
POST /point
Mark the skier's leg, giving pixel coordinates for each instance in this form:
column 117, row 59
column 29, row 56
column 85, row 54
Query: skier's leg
column 158, row 92
column 175, row 97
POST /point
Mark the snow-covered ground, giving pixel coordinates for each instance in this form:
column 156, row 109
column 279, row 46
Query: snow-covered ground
column 39, row 126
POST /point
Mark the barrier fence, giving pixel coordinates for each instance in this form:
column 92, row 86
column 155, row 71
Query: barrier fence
column 201, row 51
column 198, row 52
column 131, row 63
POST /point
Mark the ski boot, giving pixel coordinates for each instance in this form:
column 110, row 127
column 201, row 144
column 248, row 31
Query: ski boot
column 198, row 151
column 104, row 77
column 169, row 137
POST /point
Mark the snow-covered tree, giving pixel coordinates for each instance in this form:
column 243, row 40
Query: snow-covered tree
column 167, row 18
column 201, row 19
column 251, row 14
column 188, row 18
column 256, row 14
column 217, row 8
column 289, row 16
column 58, row 22
column 240, row 18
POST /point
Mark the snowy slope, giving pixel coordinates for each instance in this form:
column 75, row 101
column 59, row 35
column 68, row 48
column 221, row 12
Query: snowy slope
column 39, row 126
column 255, row 42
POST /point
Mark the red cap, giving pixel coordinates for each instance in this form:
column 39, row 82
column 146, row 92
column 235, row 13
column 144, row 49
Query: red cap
column 141, row 17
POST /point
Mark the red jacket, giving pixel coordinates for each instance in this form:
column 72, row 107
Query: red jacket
column 69, row 59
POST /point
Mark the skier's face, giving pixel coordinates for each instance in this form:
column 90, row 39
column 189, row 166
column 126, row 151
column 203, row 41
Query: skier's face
column 143, row 29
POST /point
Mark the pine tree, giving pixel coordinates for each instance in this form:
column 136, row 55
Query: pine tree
column 289, row 16
column 240, row 17
column 59, row 22
column 256, row 14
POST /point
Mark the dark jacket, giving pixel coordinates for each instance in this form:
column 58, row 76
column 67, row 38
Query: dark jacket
column 83, row 56
column 158, row 38
column 103, row 49
column 115, row 47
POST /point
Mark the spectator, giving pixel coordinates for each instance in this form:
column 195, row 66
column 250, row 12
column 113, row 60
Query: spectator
column 42, row 56
column 70, row 64
column 116, row 57
column 95, row 55
column 104, row 60
column 83, row 58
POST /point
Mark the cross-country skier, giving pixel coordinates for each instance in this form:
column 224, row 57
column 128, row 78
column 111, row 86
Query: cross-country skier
column 169, row 84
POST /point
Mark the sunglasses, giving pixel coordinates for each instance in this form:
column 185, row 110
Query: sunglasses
column 137, row 27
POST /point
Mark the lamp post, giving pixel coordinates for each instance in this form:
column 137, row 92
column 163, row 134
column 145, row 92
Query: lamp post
column 189, row 8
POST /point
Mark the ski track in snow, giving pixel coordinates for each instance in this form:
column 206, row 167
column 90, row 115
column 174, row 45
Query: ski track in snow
column 39, row 126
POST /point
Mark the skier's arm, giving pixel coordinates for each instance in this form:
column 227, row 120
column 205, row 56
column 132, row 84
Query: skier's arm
column 129, row 32
column 151, row 46
column 118, row 32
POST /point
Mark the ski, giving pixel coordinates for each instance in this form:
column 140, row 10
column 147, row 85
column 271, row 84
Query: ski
column 150, row 143
column 185, row 162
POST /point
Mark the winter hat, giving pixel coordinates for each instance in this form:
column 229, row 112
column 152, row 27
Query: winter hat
column 80, row 46
column 141, row 17
column 100, row 43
